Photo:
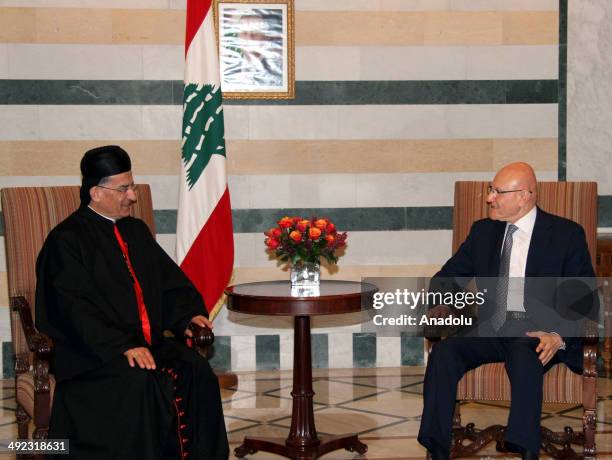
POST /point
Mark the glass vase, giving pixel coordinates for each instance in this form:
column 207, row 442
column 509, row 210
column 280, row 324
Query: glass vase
column 305, row 274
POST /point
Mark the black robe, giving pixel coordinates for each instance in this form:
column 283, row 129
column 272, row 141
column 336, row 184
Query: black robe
column 85, row 301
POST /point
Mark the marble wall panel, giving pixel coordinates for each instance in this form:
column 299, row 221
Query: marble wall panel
column 507, row 121
column 301, row 122
column 148, row 27
column 17, row 25
column 127, row 4
column 31, row 158
column 413, row 62
column 73, row 25
column 240, row 194
column 163, row 62
column 313, row 63
column 74, row 62
column 388, row 352
column 530, row 27
column 161, row 122
column 512, row 62
column 463, row 27
column 342, row 354
column 86, row 122
column 589, row 93
column 315, row 28
column 243, row 353
column 267, row 158
column 164, row 188
column 328, row 63
column 339, row 188
column 419, row 247
column 418, row 5
column 286, row 351
column 505, row 5
column 4, row 67
column 19, row 122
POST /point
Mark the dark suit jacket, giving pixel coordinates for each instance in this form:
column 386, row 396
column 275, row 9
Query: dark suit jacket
column 558, row 248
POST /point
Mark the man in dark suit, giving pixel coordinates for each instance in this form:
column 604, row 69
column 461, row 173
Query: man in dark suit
column 517, row 241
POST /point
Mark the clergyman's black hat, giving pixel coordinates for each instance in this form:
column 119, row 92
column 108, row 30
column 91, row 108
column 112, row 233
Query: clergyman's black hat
column 99, row 163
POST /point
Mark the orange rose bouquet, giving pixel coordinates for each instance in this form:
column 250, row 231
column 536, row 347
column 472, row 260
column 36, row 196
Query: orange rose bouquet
column 295, row 240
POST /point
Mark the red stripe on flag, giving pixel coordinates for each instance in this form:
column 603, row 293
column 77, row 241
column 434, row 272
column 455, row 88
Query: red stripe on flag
column 196, row 12
column 210, row 260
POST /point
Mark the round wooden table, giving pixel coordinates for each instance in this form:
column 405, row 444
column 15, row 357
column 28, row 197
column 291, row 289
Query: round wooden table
column 275, row 298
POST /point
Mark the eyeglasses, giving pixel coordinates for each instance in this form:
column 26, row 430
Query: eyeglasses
column 496, row 191
column 121, row 189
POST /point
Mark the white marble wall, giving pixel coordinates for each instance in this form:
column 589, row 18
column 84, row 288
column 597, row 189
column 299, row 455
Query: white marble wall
column 159, row 122
column 165, row 62
column 589, row 107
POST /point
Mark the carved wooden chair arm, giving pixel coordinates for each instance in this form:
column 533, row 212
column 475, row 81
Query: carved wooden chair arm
column 202, row 336
column 38, row 343
column 41, row 346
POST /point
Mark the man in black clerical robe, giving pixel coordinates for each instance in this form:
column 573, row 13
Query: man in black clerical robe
column 106, row 292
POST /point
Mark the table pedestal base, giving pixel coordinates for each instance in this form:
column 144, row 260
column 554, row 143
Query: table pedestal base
column 279, row 446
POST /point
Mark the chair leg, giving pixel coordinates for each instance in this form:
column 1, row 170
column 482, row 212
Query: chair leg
column 589, row 421
column 41, row 433
column 467, row 440
column 23, row 422
column 457, row 416
column 569, row 437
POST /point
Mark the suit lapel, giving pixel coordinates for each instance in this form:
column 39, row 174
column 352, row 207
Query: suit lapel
column 538, row 246
column 496, row 242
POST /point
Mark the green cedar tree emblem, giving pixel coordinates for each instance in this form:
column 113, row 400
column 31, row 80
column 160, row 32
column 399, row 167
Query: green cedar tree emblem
column 203, row 129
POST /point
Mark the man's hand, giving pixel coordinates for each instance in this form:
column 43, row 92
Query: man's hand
column 441, row 311
column 200, row 320
column 141, row 356
column 548, row 346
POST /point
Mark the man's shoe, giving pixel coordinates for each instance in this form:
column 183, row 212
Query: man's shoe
column 438, row 453
column 528, row 455
column 516, row 449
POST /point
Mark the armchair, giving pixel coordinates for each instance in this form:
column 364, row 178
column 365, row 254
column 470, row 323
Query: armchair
column 576, row 201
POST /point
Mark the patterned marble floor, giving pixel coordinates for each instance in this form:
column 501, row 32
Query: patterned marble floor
column 383, row 405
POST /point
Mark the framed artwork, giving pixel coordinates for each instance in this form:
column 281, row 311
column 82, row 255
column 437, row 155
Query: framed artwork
column 256, row 48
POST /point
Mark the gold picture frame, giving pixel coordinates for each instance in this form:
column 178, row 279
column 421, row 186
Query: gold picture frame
column 256, row 48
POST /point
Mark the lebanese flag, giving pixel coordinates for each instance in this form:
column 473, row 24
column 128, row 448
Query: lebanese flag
column 204, row 234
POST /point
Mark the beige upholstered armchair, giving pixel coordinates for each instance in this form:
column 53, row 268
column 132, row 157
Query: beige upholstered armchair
column 576, row 201
column 29, row 214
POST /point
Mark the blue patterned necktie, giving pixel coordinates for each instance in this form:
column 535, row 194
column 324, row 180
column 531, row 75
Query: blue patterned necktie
column 503, row 280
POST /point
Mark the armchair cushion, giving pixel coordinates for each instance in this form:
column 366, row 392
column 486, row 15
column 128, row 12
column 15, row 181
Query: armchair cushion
column 490, row 383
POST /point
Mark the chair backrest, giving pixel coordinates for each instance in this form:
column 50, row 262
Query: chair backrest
column 573, row 200
column 29, row 215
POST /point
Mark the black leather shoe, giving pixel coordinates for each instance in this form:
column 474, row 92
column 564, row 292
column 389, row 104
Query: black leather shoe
column 528, row 455
column 516, row 449
column 438, row 453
